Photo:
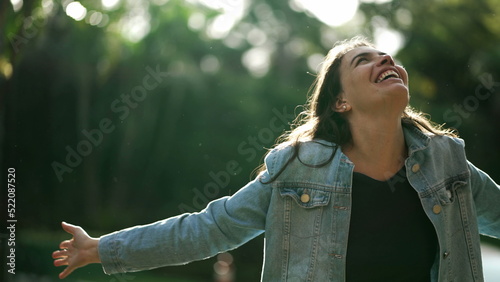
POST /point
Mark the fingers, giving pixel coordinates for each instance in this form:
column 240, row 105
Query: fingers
column 61, row 262
column 62, row 256
column 77, row 252
column 67, row 271
column 59, row 254
column 66, row 244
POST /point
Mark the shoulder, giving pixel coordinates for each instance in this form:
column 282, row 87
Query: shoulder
column 417, row 138
column 440, row 156
column 448, row 153
column 309, row 153
column 447, row 141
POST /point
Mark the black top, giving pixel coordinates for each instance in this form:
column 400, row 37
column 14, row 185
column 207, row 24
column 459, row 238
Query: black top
column 390, row 236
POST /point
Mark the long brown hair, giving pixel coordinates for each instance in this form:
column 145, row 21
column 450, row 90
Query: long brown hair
column 320, row 121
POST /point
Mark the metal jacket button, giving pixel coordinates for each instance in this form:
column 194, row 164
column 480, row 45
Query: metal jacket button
column 305, row 198
column 415, row 168
column 436, row 209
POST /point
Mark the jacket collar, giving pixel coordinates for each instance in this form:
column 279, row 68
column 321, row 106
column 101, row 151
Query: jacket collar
column 415, row 139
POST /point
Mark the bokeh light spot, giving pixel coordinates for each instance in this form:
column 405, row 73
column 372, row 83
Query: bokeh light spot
column 47, row 6
column 210, row 64
column 257, row 60
column 76, row 11
column 314, row 61
column 110, row 4
column 256, row 37
column 404, row 17
column 220, row 26
column 136, row 24
column 388, row 40
column 94, row 18
column 331, row 12
column 6, row 68
column 17, row 4
column 196, row 21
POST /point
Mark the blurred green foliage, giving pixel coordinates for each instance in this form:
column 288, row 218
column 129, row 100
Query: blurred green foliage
column 204, row 110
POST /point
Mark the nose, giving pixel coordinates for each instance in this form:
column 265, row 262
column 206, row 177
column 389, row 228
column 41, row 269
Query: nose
column 386, row 59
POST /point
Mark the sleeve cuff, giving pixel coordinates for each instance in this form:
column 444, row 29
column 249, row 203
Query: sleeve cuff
column 109, row 249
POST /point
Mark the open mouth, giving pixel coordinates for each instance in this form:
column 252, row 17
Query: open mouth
column 386, row 75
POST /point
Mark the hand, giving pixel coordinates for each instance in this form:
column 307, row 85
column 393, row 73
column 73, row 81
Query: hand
column 77, row 252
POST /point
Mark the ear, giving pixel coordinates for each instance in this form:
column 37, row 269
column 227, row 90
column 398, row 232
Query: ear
column 341, row 105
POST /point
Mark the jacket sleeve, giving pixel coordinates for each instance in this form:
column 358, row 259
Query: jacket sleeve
column 224, row 224
column 486, row 195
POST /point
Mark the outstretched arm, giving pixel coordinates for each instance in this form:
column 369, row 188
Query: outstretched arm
column 77, row 252
column 486, row 198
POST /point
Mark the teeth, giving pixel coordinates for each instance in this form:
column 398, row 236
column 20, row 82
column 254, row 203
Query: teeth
column 386, row 74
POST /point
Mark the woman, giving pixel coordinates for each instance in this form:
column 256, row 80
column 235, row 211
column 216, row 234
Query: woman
column 362, row 189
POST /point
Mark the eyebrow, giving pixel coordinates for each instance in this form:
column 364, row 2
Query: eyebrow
column 365, row 54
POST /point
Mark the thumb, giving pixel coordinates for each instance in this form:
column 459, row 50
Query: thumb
column 70, row 228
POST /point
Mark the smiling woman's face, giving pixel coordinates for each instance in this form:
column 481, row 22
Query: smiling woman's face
column 372, row 83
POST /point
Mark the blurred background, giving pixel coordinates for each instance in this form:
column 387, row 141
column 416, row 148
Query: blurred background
column 120, row 112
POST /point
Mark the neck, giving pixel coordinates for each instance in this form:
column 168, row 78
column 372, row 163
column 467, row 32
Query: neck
column 378, row 147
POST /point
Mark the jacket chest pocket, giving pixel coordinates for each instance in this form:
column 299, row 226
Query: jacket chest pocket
column 450, row 207
column 304, row 210
column 450, row 191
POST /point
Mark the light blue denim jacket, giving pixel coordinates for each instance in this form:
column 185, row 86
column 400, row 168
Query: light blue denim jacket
column 306, row 236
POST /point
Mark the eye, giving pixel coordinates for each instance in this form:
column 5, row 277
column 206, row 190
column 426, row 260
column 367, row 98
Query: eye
column 361, row 59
